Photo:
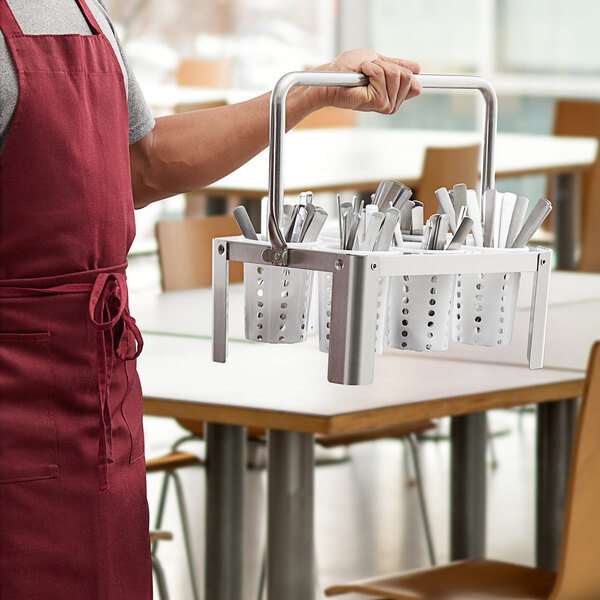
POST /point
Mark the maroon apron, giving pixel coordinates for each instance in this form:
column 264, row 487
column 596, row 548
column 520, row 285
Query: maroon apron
column 73, row 510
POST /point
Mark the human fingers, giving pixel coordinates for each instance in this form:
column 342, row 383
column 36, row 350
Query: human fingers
column 393, row 80
column 411, row 65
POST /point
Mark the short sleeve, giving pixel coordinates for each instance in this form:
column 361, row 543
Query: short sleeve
column 141, row 121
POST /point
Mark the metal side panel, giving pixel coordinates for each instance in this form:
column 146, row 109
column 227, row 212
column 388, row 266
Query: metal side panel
column 220, row 292
column 539, row 311
column 353, row 303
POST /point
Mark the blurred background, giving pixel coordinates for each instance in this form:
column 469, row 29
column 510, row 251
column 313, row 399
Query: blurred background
column 534, row 52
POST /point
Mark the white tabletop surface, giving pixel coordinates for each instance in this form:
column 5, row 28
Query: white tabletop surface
column 356, row 158
column 293, row 379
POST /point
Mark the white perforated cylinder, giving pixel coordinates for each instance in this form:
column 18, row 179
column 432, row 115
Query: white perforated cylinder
column 277, row 302
column 419, row 312
column 484, row 308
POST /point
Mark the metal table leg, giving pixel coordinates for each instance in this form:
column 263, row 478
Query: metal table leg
column 468, row 493
column 225, row 471
column 290, row 520
column 556, row 426
column 566, row 188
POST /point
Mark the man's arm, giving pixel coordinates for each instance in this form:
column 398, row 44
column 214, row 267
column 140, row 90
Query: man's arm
column 192, row 150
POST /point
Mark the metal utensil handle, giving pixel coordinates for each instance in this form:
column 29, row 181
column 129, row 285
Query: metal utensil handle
column 339, row 79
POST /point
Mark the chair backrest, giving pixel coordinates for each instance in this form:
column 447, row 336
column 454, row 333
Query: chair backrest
column 204, row 72
column 185, row 251
column 330, row 116
column 582, row 118
column 579, row 569
column 445, row 167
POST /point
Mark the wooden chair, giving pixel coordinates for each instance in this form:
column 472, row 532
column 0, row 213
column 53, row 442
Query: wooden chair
column 582, row 118
column 578, row 576
column 161, row 583
column 185, row 251
column 203, row 72
column 445, row 167
column 330, row 116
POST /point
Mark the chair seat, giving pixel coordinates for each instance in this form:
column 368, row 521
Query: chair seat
column 155, row 536
column 376, row 433
column 172, row 461
column 470, row 580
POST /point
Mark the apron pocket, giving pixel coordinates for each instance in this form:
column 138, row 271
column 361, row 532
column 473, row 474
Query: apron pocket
column 28, row 442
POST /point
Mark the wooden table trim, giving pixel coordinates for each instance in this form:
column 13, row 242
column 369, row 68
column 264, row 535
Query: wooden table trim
column 355, row 421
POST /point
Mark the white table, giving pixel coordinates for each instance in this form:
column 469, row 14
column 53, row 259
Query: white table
column 234, row 394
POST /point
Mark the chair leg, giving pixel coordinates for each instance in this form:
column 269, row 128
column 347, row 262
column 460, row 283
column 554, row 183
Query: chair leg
column 414, row 450
column 186, row 533
column 491, row 446
column 161, row 507
column 161, row 583
column 263, row 574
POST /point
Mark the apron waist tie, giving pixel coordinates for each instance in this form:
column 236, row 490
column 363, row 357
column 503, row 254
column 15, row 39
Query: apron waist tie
column 110, row 315
column 109, row 312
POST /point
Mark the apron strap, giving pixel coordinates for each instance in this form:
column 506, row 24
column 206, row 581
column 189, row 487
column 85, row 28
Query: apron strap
column 8, row 23
column 87, row 13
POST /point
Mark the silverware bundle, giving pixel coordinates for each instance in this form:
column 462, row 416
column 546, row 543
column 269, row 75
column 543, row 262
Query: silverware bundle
column 302, row 222
column 500, row 223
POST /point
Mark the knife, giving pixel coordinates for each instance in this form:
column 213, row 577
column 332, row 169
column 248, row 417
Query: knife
column 475, row 214
column 459, row 198
column 461, row 234
column 489, row 199
column 539, row 212
column 245, row 224
column 316, row 225
column 506, row 212
column 373, row 228
column 310, row 213
column 517, row 220
column 384, row 240
column 417, row 219
column 403, row 198
column 446, row 204
column 406, row 217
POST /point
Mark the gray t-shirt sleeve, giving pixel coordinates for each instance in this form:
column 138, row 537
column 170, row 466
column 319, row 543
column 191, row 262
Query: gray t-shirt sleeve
column 141, row 121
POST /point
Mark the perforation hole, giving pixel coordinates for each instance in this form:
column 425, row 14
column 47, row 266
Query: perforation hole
column 431, row 313
column 284, row 305
column 260, row 292
column 286, row 272
column 428, row 346
column 405, row 311
column 260, row 304
column 259, row 337
column 405, row 300
column 479, row 286
column 404, row 344
column 260, row 270
column 283, row 316
column 430, row 335
column 259, row 326
column 406, row 278
column 430, row 324
column 506, row 276
column 404, row 322
column 284, row 294
column 405, row 333
column 433, row 291
column 259, row 315
column 477, row 319
column 459, row 283
column 432, row 302
column 405, row 289
column 282, row 327
column 260, row 281
column 458, row 294
column 281, row 338
column 434, row 279
column 286, row 283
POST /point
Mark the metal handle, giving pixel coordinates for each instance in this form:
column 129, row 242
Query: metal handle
column 345, row 79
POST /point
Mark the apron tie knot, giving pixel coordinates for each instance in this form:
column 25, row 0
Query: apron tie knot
column 109, row 312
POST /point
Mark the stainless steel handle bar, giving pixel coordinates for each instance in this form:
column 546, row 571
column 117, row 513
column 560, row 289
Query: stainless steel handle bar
column 340, row 79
